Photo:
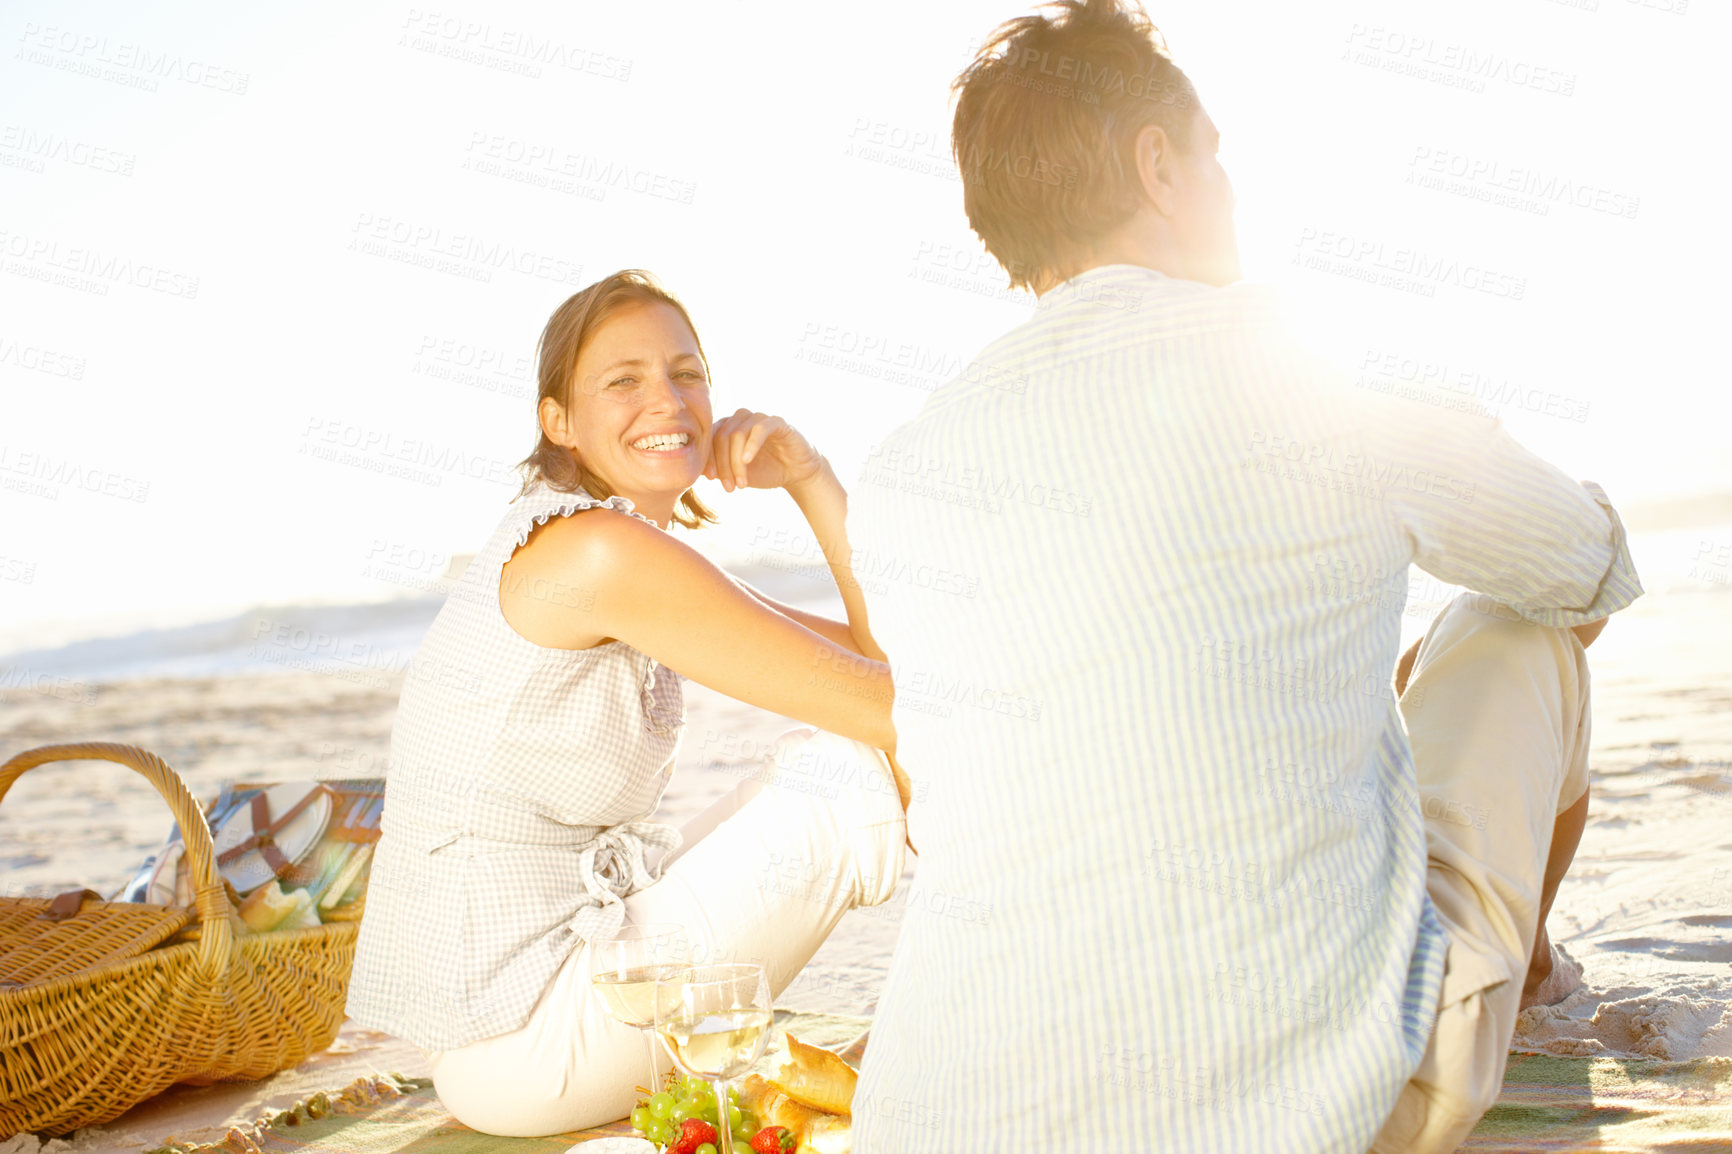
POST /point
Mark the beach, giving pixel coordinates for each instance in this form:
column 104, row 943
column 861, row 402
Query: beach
column 71, row 824
column 1646, row 910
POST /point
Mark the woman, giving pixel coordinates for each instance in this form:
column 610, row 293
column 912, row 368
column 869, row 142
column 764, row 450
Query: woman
column 538, row 725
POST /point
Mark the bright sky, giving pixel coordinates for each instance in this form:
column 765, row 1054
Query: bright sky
column 271, row 276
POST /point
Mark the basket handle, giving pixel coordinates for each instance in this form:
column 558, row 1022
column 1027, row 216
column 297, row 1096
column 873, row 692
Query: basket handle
column 216, row 940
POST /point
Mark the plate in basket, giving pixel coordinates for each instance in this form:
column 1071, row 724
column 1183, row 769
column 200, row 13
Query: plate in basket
column 250, row 870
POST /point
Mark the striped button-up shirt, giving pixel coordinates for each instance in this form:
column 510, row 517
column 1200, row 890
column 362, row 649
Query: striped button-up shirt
column 1171, row 890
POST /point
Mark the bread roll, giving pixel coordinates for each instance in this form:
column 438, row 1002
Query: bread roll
column 828, row 1134
column 267, row 906
column 753, row 1090
column 774, row 1108
column 816, row 1131
column 815, row 1077
column 304, row 916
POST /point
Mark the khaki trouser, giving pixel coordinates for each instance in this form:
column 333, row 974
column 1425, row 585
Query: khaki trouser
column 1497, row 713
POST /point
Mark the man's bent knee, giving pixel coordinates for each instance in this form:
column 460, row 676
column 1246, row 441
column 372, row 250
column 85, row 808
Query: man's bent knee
column 1482, row 611
column 1489, row 627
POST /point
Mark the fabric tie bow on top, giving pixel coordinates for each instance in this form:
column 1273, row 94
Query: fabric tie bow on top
column 612, row 866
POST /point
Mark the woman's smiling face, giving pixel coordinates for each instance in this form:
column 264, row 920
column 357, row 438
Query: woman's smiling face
column 638, row 407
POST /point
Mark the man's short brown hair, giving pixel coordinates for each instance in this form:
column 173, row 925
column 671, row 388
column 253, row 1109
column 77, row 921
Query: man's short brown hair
column 1046, row 115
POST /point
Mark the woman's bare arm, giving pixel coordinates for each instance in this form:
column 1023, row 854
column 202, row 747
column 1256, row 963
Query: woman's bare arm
column 765, row 452
column 626, row 580
column 836, row 631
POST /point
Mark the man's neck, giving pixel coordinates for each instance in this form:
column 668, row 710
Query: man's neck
column 1132, row 246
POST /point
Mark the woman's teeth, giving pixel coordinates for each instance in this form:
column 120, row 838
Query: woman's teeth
column 662, row 441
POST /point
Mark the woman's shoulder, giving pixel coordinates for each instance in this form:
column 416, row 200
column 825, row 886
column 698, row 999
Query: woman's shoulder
column 550, row 526
column 540, row 503
column 574, row 552
column 544, row 526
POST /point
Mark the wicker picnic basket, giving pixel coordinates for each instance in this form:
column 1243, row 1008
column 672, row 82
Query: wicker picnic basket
column 103, row 1004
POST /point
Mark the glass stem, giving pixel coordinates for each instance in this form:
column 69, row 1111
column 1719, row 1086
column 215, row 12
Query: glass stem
column 724, row 1129
column 650, row 1037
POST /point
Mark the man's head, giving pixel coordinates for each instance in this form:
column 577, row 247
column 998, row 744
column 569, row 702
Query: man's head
column 1081, row 143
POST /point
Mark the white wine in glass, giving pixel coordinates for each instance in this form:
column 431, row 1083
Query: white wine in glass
column 633, row 969
column 715, row 1028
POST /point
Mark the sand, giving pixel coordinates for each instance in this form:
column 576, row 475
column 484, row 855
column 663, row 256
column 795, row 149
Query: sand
column 91, row 823
column 1646, row 912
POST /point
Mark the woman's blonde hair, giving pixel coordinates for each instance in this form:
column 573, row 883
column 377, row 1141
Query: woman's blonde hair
column 568, row 329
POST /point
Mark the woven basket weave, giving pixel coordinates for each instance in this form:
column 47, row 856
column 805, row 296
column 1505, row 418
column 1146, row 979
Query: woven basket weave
column 94, row 1020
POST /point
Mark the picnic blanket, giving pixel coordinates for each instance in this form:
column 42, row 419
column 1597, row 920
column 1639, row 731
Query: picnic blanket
column 1548, row 1104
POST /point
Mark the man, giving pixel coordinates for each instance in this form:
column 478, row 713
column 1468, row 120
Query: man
column 1180, row 888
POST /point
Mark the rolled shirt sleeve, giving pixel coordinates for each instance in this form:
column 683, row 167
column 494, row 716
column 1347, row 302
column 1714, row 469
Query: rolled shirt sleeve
column 1619, row 584
column 1522, row 531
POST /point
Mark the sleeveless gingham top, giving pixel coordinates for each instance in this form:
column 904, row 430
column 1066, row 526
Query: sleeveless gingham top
column 515, row 803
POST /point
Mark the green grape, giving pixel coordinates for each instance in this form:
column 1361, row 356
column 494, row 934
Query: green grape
column 661, row 1104
column 734, row 1117
column 659, row 1132
column 679, row 1113
column 706, row 1148
column 640, row 1118
column 743, row 1137
column 750, row 1121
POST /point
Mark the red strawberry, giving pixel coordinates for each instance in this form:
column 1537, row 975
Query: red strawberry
column 694, row 1132
column 773, row 1140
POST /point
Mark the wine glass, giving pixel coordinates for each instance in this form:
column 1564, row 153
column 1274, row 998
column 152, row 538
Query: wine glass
column 715, row 1021
column 634, row 969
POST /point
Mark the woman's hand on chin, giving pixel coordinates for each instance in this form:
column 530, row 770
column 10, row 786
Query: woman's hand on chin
column 759, row 451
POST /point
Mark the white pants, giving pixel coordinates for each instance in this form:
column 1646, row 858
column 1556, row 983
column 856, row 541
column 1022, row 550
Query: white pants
column 1497, row 713
column 763, row 876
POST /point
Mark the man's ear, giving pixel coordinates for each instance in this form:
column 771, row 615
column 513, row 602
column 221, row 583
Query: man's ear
column 553, row 421
column 1156, row 157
